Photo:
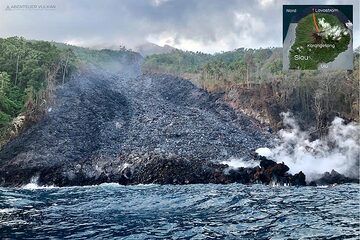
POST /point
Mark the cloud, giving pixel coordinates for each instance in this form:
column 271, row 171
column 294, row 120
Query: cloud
column 205, row 25
column 266, row 3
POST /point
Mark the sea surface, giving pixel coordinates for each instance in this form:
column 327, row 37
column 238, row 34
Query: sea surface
column 234, row 211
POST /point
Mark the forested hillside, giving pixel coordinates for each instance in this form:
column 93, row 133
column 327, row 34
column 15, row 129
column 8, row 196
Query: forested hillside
column 176, row 62
column 253, row 82
column 31, row 70
column 101, row 57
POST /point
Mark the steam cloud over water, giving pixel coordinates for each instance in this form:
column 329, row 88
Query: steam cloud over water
column 339, row 150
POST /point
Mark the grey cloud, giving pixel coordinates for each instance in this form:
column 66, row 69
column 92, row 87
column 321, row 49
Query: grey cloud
column 211, row 25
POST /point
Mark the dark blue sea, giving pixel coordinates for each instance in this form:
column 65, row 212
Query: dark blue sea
column 235, row 211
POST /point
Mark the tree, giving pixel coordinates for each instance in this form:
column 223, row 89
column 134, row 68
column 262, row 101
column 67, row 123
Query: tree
column 4, row 83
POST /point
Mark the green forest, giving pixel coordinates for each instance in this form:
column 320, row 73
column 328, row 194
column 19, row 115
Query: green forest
column 29, row 72
column 252, row 81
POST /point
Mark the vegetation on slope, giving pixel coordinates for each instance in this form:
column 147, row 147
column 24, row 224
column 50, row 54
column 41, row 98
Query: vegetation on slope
column 99, row 57
column 29, row 71
column 176, row 62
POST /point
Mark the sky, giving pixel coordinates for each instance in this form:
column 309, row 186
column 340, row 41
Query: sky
column 196, row 25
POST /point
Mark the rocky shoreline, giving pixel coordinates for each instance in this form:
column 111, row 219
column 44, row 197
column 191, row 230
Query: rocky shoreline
column 166, row 169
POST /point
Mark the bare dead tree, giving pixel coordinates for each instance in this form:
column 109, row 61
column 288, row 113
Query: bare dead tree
column 17, row 68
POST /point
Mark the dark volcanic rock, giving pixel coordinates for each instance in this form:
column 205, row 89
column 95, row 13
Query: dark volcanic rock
column 298, row 179
column 333, row 178
column 271, row 171
column 266, row 164
column 268, row 172
column 130, row 128
column 241, row 175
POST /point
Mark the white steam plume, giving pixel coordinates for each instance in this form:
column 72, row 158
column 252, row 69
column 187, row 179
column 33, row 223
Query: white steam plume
column 239, row 162
column 339, row 150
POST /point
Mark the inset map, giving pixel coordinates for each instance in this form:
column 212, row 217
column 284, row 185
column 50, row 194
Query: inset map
column 317, row 37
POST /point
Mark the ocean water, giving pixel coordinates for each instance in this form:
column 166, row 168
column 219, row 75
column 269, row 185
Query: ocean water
column 234, row 211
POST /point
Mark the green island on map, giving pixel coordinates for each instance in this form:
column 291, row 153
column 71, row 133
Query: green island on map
column 320, row 38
